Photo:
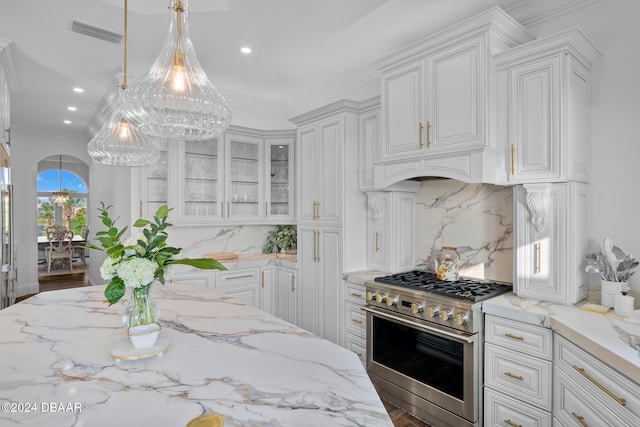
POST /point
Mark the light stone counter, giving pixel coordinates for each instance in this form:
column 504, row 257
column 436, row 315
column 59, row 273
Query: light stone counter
column 261, row 260
column 225, row 357
column 359, row 277
column 608, row 337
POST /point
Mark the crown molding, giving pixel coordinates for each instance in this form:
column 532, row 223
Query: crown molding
column 529, row 14
column 8, row 64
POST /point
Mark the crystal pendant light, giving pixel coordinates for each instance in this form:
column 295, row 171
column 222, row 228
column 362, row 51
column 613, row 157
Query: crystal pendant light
column 175, row 99
column 119, row 142
column 60, row 197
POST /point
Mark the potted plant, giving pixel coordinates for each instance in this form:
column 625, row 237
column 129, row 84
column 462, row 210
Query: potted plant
column 283, row 238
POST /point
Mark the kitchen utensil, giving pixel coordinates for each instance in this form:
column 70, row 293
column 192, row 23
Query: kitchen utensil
column 607, row 250
column 447, row 264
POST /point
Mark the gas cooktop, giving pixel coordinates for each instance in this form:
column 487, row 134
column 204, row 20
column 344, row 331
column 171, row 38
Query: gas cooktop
column 468, row 289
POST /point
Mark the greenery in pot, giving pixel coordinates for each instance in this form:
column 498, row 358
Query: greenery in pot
column 281, row 238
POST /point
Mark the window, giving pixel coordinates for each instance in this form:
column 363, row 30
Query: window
column 73, row 214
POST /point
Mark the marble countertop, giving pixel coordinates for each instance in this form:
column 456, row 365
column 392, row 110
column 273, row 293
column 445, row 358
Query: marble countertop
column 261, row 260
column 609, row 337
column 359, row 277
column 225, row 357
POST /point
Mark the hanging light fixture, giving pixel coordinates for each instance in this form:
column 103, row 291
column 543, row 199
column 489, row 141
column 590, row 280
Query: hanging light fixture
column 119, row 142
column 60, row 197
column 175, row 99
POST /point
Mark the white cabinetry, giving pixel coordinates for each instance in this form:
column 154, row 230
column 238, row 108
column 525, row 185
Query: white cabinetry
column 8, row 84
column 545, row 84
column 518, row 373
column 550, row 241
column 331, row 214
column 368, row 143
column 242, row 283
column 284, row 298
column 390, row 236
column 354, row 320
column 590, row 392
column 437, row 98
column 245, row 176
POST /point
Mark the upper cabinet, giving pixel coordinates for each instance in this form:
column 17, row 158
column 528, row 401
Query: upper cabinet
column 243, row 176
column 544, row 87
column 436, row 102
column 8, row 84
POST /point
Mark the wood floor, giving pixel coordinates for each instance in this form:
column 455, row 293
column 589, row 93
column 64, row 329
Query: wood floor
column 399, row 417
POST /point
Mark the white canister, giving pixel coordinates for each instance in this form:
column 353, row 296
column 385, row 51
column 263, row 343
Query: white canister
column 623, row 305
column 609, row 290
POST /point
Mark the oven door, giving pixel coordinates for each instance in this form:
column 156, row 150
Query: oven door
column 434, row 363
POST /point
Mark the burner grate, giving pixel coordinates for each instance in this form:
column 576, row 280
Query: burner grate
column 468, row 289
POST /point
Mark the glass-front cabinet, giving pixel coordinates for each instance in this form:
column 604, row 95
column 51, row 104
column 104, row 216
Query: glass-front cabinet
column 244, row 176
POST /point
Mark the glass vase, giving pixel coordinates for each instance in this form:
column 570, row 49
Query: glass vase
column 141, row 308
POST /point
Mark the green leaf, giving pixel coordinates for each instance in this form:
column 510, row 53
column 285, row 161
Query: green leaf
column 106, row 242
column 201, row 263
column 163, row 211
column 115, row 290
column 141, row 223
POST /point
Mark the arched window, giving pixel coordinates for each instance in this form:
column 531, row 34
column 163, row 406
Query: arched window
column 73, row 213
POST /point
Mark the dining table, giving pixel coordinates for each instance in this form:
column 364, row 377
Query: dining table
column 66, row 360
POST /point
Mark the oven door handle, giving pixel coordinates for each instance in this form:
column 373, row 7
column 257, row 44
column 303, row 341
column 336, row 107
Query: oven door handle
column 468, row 339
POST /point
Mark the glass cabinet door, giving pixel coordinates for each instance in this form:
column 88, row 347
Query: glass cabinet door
column 200, row 195
column 156, row 183
column 244, row 177
column 279, row 194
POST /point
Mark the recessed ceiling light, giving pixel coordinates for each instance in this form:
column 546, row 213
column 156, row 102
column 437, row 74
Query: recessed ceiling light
column 72, row 108
column 246, row 50
column 67, row 122
column 78, row 90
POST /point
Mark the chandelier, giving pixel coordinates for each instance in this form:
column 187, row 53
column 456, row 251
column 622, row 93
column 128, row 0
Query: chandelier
column 119, row 142
column 60, row 197
column 175, row 99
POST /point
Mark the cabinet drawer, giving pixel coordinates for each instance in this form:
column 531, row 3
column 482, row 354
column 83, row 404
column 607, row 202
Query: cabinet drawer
column 504, row 411
column 610, row 387
column 574, row 406
column 230, row 278
column 354, row 293
column 521, row 337
column 523, row 377
column 358, row 345
column 354, row 319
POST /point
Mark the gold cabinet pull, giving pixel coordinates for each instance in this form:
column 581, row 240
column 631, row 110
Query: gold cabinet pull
column 239, row 277
column 538, row 256
column 377, row 242
column 266, row 209
column 511, row 423
column 515, row 337
column 262, row 279
column 620, row 400
column 221, row 209
column 228, row 209
column 356, row 321
column 514, row 376
column 141, row 209
column 293, row 283
column 316, row 211
column 428, row 134
column 513, row 160
column 580, row 419
column 316, row 248
column 421, row 127
column 353, row 294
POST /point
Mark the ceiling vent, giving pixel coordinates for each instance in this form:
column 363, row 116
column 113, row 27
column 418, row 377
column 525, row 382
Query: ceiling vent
column 99, row 33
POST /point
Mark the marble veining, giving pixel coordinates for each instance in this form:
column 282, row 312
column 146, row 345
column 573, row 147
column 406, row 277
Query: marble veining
column 475, row 218
column 225, row 357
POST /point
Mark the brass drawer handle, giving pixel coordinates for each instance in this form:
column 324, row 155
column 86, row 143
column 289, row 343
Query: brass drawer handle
column 238, row 277
column 620, row 400
column 356, row 295
column 377, row 242
column 421, row 127
column 517, row 377
column 515, row 337
column 511, row 423
column 356, row 321
column 428, row 134
column 580, row 419
column 513, row 161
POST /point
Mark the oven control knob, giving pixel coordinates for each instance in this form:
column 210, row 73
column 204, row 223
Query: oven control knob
column 446, row 315
column 392, row 300
column 417, row 308
column 460, row 319
column 433, row 311
column 380, row 299
column 370, row 295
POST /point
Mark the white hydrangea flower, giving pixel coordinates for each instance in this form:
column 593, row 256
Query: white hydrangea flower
column 108, row 269
column 137, row 272
column 133, row 241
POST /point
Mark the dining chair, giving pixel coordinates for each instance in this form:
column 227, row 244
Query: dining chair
column 60, row 246
column 80, row 251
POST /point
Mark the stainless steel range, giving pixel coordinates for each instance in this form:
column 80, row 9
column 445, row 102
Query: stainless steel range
column 424, row 344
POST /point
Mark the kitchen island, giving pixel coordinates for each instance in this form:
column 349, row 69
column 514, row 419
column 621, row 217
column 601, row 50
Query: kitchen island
column 225, row 357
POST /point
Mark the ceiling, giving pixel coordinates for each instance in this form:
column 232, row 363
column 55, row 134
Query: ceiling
column 301, row 48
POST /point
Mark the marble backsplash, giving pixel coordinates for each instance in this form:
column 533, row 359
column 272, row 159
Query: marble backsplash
column 240, row 239
column 475, row 218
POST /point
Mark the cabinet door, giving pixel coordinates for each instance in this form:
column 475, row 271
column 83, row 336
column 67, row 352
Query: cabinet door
column 402, row 108
column 328, row 176
column 280, row 180
column 368, row 143
column 285, row 295
column 306, row 166
column 154, row 183
column 268, row 291
column 244, row 177
column 455, row 97
column 200, row 180
column 243, row 284
column 378, row 243
column 535, row 121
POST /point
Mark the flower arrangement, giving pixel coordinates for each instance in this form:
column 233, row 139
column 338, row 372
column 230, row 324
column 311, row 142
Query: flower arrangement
column 612, row 263
column 141, row 258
